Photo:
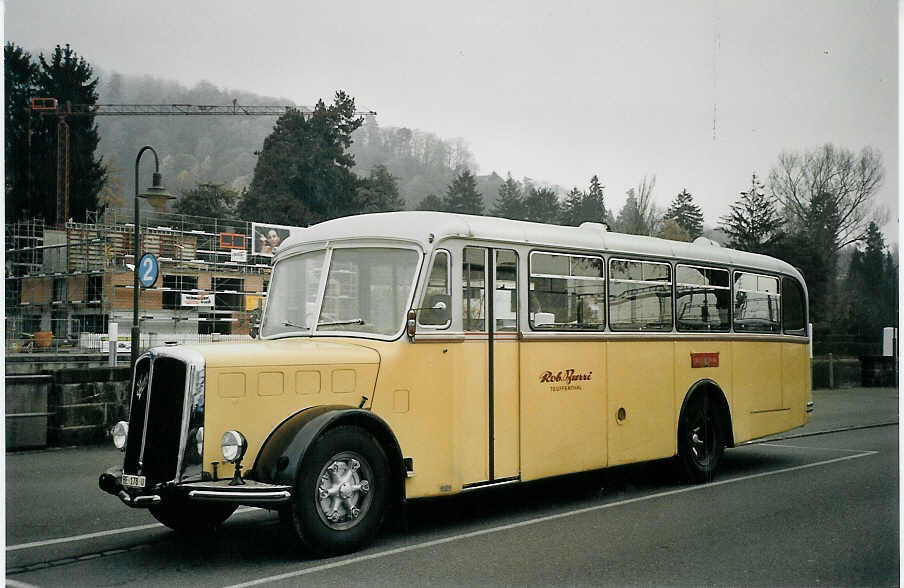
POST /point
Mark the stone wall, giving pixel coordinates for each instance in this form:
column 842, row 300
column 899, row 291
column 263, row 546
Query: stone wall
column 86, row 403
column 26, row 410
column 70, row 401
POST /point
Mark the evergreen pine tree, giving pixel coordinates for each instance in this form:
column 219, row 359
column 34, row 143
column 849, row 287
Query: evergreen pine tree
column 462, row 195
column 20, row 79
column 379, row 192
column 542, row 206
column 870, row 294
column 572, row 207
column 510, row 203
column 754, row 223
column 431, row 202
column 304, row 171
column 587, row 206
column 211, row 200
column 595, row 203
column 629, row 219
column 70, row 79
column 687, row 214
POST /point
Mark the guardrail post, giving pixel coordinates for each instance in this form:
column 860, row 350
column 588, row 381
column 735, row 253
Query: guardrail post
column 831, row 371
column 113, row 336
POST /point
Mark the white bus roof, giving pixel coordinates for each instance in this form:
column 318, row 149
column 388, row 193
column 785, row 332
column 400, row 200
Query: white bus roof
column 430, row 228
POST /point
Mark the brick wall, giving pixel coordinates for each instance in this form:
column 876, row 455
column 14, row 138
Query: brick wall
column 122, row 297
column 75, row 288
column 36, row 290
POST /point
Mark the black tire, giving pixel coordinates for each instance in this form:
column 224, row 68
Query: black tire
column 341, row 492
column 187, row 517
column 700, row 440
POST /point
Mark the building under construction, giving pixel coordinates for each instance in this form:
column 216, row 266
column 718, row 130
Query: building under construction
column 65, row 285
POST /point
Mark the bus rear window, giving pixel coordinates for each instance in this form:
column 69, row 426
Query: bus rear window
column 794, row 315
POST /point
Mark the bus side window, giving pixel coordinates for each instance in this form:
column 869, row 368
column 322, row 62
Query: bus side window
column 473, row 284
column 703, row 298
column 505, row 298
column 436, row 308
column 756, row 303
column 566, row 292
column 640, row 295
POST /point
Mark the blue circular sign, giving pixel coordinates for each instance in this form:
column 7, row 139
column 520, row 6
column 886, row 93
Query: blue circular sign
column 148, row 270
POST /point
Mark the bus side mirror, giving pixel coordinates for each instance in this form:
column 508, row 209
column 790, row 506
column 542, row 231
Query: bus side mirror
column 437, row 311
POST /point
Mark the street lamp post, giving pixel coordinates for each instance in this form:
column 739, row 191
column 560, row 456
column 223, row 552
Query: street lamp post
column 158, row 197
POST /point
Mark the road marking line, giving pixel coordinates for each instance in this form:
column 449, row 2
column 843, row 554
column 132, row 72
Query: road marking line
column 398, row 550
column 816, row 448
column 99, row 534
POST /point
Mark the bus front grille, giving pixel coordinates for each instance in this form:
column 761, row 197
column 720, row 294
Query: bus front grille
column 155, row 420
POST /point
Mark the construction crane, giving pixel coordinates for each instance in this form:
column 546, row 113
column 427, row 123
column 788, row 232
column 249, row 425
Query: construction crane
column 46, row 107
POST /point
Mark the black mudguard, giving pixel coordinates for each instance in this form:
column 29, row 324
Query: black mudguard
column 279, row 460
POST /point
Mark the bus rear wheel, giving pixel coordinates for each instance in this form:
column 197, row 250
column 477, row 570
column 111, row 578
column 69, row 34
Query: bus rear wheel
column 341, row 492
column 700, row 440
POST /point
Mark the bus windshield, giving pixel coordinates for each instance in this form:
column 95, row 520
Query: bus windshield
column 365, row 292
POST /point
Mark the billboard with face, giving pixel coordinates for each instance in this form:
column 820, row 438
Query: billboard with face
column 267, row 238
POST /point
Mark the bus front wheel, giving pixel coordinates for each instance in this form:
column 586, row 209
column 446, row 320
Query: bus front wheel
column 700, row 440
column 340, row 494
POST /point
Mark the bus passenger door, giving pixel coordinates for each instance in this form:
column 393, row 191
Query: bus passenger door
column 488, row 398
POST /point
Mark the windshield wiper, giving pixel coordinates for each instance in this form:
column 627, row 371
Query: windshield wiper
column 296, row 325
column 357, row 321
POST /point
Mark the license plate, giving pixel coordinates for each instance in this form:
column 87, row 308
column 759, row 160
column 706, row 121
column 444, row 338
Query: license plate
column 133, row 481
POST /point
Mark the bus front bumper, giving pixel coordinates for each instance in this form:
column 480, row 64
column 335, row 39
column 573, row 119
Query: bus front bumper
column 250, row 493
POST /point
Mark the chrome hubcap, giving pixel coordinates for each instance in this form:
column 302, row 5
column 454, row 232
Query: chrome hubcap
column 344, row 490
column 698, row 446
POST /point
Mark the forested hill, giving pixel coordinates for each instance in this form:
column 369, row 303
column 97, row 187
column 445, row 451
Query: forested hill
column 221, row 149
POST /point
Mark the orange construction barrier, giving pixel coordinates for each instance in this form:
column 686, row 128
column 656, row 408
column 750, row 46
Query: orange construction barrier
column 43, row 339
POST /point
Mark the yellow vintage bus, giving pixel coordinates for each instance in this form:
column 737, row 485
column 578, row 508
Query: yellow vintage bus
column 416, row 354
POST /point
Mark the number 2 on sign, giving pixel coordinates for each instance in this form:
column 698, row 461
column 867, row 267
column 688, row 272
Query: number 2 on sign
column 147, row 270
column 148, row 267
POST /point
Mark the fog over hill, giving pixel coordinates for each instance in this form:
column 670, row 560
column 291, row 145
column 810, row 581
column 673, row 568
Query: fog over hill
column 221, row 149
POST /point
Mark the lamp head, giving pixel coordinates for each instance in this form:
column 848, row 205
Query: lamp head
column 157, row 195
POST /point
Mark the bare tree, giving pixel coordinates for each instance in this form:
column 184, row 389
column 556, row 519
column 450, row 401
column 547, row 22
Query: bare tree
column 830, row 178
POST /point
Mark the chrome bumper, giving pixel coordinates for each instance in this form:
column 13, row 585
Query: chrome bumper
column 250, row 493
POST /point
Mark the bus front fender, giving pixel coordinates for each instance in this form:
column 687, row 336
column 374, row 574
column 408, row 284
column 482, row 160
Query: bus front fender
column 281, row 458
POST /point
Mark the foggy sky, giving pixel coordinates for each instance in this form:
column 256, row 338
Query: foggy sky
column 699, row 94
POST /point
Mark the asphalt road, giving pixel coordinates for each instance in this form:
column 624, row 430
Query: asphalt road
column 805, row 510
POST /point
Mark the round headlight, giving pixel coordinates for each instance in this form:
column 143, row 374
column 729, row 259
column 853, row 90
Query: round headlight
column 233, row 445
column 120, row 434
column 199, row 441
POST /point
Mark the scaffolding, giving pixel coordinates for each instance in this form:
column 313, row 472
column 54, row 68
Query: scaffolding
column 63, row 286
